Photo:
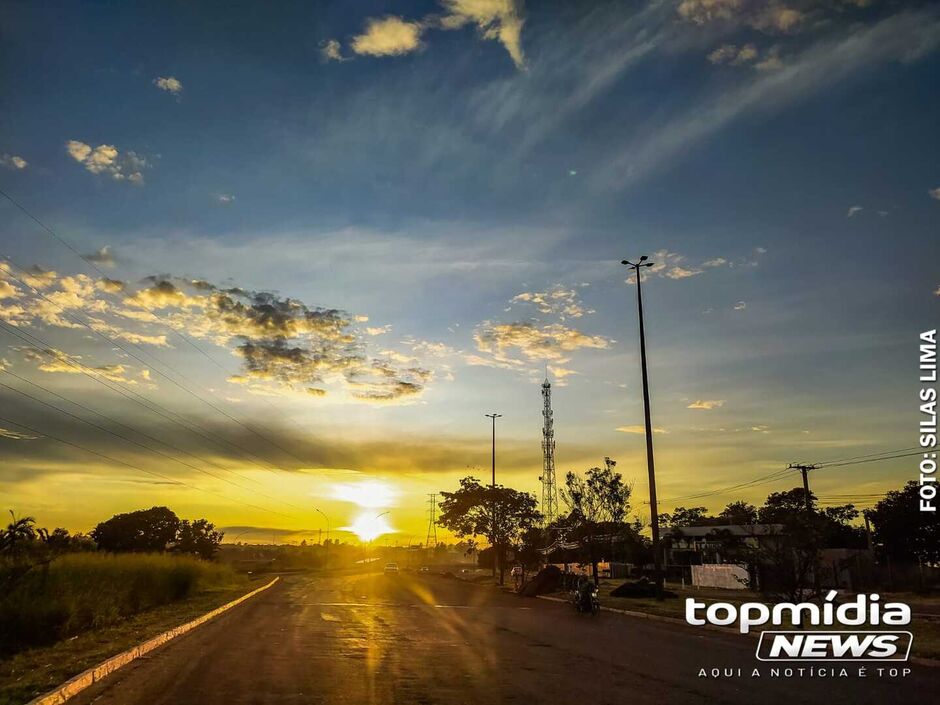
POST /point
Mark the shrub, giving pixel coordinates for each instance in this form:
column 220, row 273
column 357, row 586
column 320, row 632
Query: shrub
column 76, row 592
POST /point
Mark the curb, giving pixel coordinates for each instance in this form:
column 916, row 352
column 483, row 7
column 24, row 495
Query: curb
column 929, row 662
column 73, row 686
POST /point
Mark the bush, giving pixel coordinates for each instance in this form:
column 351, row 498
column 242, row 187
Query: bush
column 73, row 593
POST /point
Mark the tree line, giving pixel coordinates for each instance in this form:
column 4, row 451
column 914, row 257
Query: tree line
column 154, row 530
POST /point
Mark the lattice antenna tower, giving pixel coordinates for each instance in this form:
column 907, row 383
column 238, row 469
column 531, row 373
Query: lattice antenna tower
column 549, row 489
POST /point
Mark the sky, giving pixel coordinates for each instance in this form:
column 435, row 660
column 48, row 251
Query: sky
column 271, row 265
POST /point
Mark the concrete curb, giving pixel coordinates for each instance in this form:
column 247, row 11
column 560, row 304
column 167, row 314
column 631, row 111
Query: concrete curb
column 929, row 662
column 73, row 686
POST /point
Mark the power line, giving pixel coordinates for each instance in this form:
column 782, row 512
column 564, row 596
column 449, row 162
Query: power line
column 116, row 343
column 136, row 443
column 139, row 432
column 160, row 410
column 150, row 365
column 129, row 465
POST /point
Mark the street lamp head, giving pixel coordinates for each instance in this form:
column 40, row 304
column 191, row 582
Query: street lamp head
column 626, row 262
column 643, row 258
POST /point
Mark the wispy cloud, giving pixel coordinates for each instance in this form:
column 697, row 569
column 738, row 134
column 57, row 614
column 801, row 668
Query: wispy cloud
column 169, row 84
column 706, row 404
column 102, row 256
column 12, row 161
column 639, row 429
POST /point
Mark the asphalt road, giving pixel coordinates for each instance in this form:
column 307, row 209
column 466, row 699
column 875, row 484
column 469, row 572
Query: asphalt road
column 415, row 640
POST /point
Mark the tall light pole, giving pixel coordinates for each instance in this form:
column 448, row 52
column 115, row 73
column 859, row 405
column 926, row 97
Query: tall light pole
column 654, row 513
column 494, row 416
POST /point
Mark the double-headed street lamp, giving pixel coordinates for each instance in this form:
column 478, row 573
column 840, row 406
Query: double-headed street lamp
column 494, row 416
column 654, row 514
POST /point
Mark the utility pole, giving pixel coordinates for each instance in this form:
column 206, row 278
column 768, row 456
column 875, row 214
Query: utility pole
column 804, row 469
column 432, row 525
column 494, row 416
column 867, row 531
column 654, row 513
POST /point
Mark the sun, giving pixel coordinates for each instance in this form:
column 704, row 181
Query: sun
column 368, row 527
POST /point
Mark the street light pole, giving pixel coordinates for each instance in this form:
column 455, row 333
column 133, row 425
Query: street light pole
column 654, row 513
column 496, row 561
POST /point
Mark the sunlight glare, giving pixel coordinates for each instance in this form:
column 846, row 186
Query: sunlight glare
column 371, row 494
column 368, row 527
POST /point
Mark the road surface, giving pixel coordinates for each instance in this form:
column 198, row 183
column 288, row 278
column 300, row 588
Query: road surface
column 418, row 640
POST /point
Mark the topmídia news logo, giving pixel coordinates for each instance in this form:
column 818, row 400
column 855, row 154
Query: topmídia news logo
column 794, row 642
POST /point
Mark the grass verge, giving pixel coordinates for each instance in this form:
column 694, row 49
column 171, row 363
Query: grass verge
column 36, row 671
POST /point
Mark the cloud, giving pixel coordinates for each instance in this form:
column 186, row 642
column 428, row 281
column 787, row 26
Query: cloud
column 499, row 20
column 564, row 302
column 554, row 341
column 388, row 36
column 706, row 404
column 331, row 50
column 746, row 55
column 639, row 429
column 12, row 161
column 934, row 193
column 55, row 361
column 937, row 292
column 16, row 435
column 906, row 36
column 225, row 198
column 769, row 17
column 853, row 210
column 169, row 84
column 101, row 256
column 740, row 306
column 106, row 159
column 734, row 55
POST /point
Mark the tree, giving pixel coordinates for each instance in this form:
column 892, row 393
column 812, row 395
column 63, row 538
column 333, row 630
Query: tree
column 597, row 503
column 682, row 516
column 199, row 538
column 781, row 506
column 18, row 534
column 146, row 530
column 740, row 513
column 500, row 513
column 903, row 531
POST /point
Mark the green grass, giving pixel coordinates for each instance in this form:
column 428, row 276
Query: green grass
column 85, row 591
column 39, row 670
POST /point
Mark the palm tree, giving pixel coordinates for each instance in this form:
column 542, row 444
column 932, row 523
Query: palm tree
column 18, row 531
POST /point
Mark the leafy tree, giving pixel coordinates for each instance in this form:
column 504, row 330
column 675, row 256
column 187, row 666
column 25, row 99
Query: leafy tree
column 903, row 531
column 781, row 506
column 738, row 513
column 198, row 538
column 682, row 516
column 146, row 530
column 598, row 503
column 500, row 513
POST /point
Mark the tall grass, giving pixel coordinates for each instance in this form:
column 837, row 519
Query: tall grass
column 82, row 591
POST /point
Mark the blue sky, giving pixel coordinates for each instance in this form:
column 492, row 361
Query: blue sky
column 467, row 176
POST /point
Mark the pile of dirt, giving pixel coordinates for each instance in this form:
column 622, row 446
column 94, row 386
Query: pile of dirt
column 639, row 588
column 546, row 580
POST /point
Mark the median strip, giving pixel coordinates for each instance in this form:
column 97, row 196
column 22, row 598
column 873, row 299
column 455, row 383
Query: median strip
column 78, row 683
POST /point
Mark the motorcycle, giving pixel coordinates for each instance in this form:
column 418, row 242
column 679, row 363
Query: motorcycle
column 585, row 599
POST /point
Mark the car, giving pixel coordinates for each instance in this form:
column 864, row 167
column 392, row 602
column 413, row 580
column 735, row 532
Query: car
column 391, row 568
column 424, row 569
